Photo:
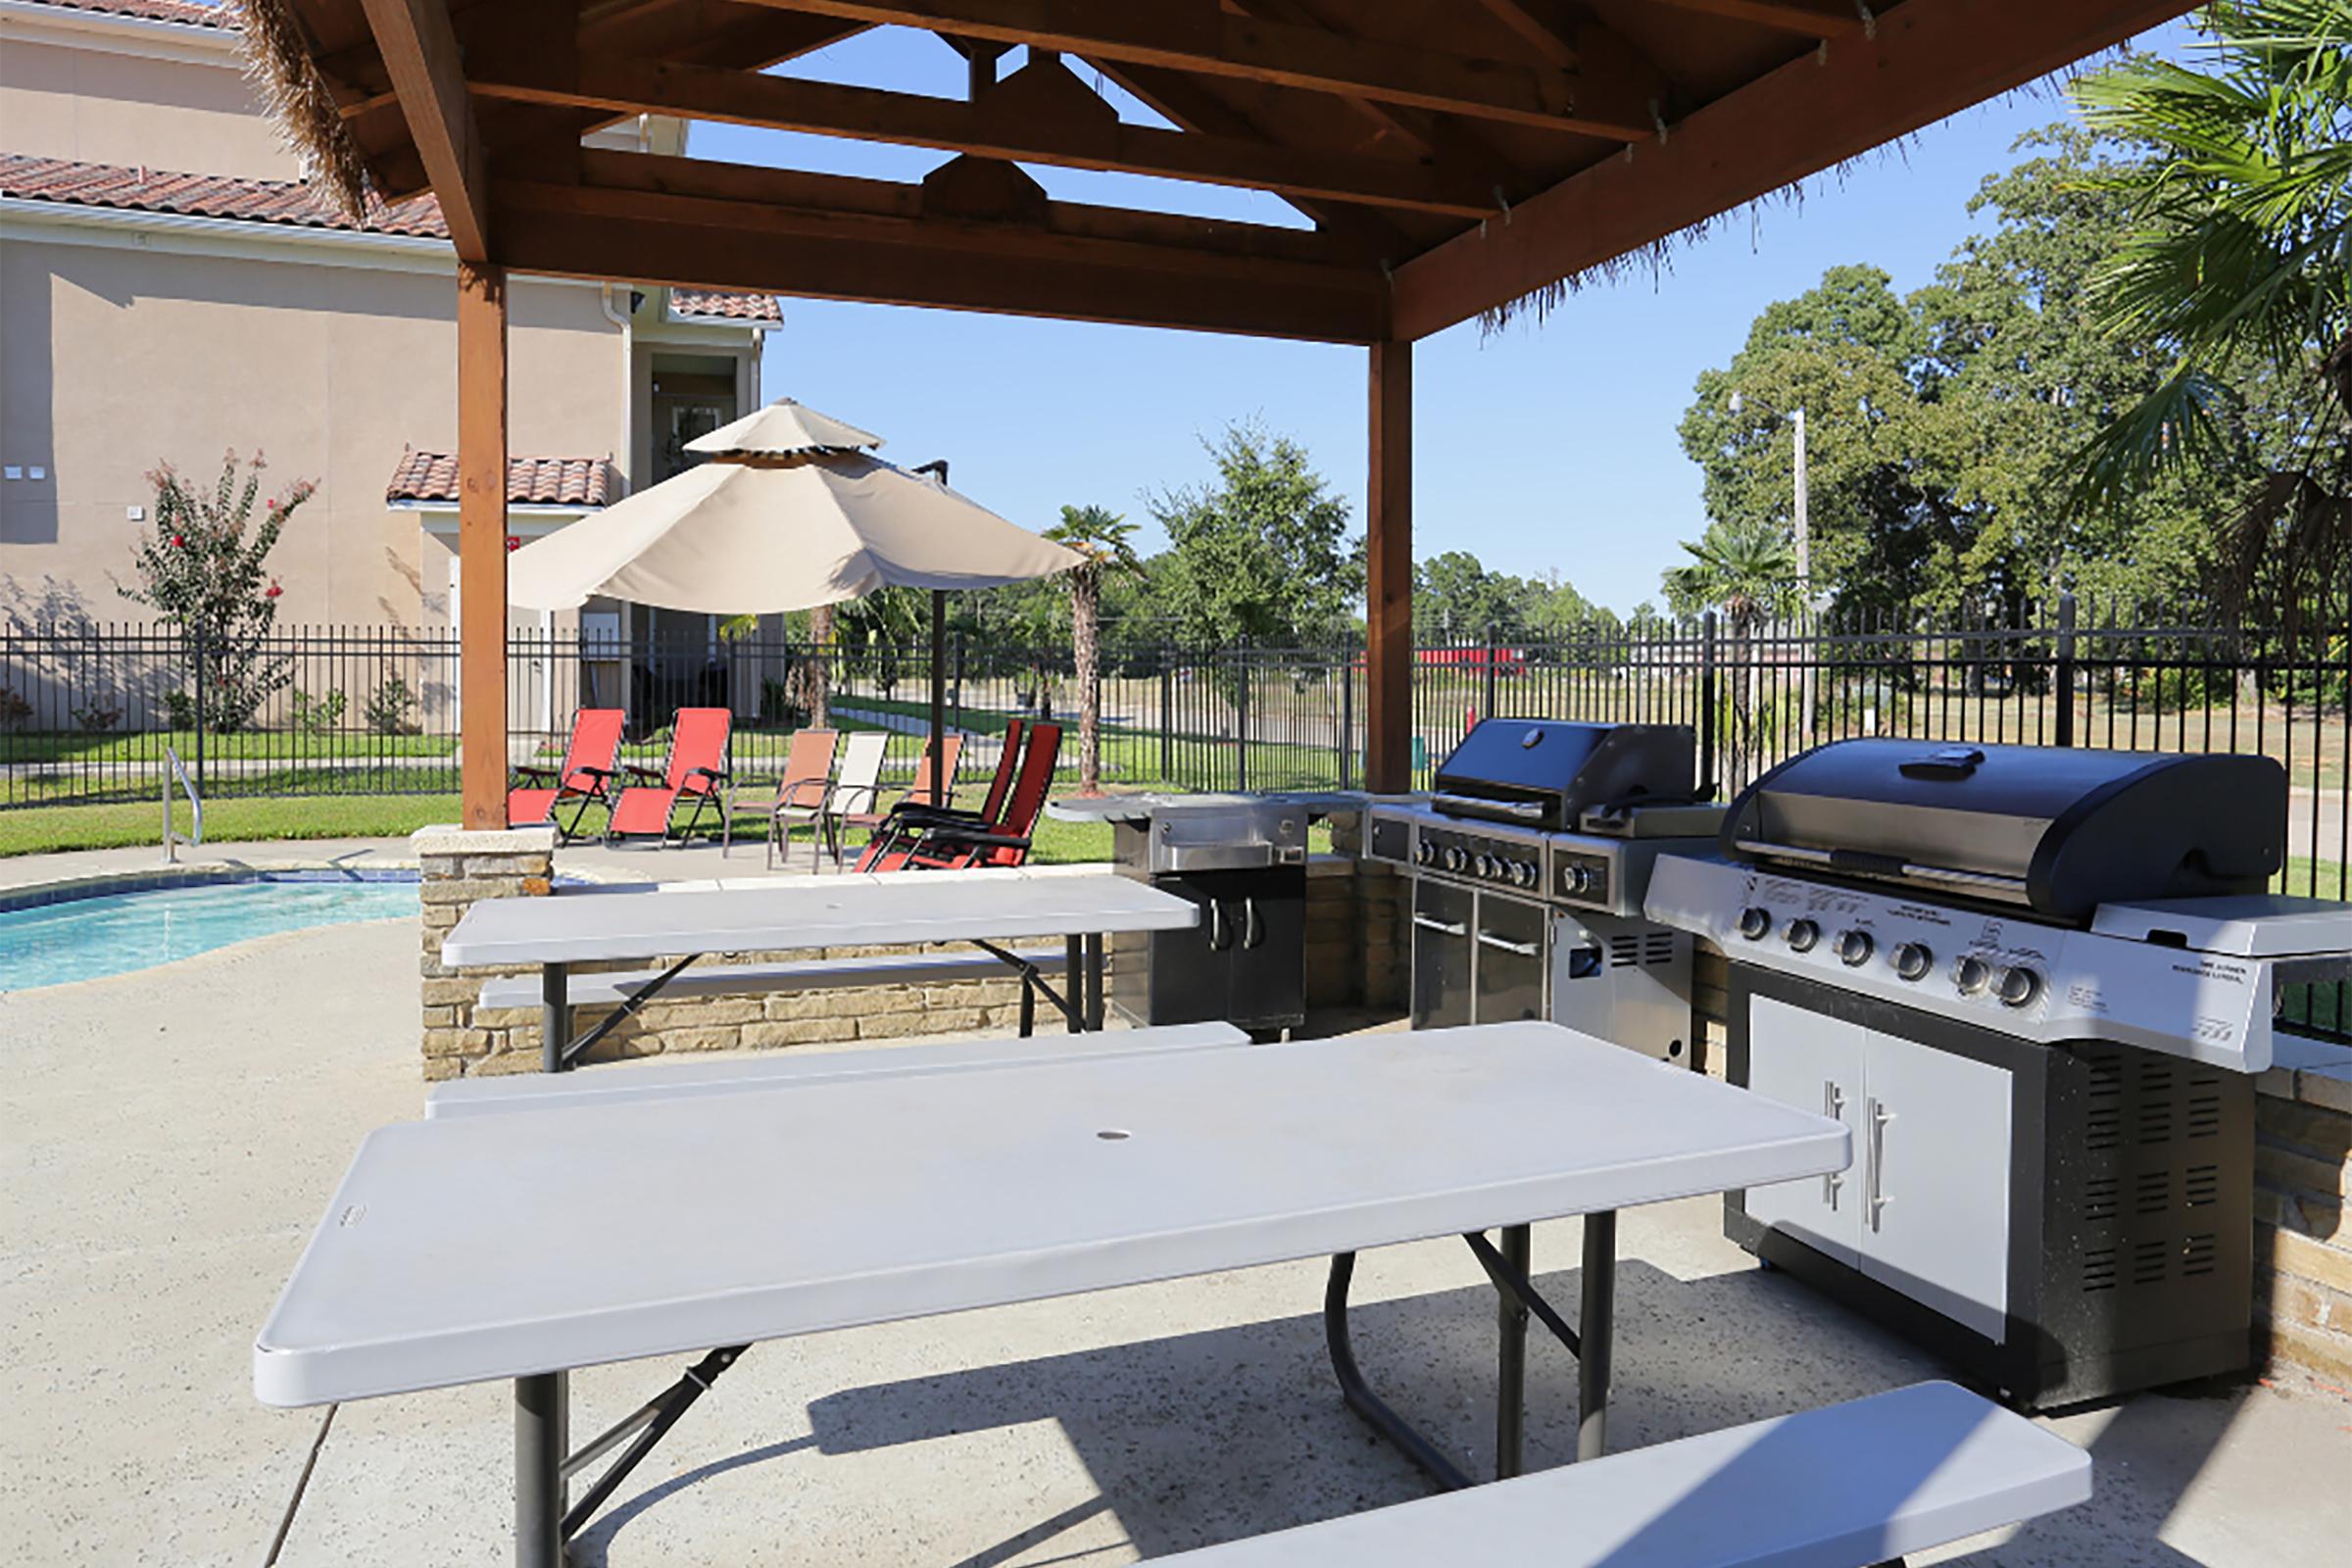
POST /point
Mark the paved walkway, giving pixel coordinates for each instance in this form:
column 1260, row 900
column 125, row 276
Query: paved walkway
column 173, row 1135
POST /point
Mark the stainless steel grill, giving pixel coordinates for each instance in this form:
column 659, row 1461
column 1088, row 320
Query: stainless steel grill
column 2036, row 984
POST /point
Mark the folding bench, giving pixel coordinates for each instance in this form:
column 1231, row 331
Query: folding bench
column 1850, row 1486
column 625, row 988
column 629, row 1082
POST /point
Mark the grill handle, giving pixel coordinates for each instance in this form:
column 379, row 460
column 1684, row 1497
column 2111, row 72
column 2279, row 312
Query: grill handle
column 1441, row 927
column 1875, row 1117
column 1474, row 805
column 1525, row 950
column 1254, row 930
column 1220, row 937
column 1832, row 1105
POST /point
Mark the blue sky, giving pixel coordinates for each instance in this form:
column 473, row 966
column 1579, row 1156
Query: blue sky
column 1541, row 448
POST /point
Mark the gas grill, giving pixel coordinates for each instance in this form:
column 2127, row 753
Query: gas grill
column 2036, row 984
column 1528, row 866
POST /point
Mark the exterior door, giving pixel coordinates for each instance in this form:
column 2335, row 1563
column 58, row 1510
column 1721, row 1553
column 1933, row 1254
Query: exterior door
column 1936, row 1209
column 1814, row 1063
column 1441, row 947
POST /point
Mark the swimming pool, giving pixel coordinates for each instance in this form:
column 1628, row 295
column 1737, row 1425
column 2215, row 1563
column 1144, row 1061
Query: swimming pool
column 115, row 933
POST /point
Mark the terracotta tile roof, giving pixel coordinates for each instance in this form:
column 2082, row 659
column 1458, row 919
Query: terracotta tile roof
column 708, row 303
column 542, row 482
column 185, row 11
column 155, row 190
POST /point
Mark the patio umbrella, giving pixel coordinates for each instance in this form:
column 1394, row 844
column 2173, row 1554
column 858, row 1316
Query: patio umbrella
column 792, row 510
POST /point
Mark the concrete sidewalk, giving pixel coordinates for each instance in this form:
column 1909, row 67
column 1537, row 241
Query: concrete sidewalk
column 173, row 1135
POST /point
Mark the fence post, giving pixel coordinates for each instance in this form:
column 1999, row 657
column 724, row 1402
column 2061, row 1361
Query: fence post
column 1487, row 698
column 1706, row 704
column 200, row 664
column 1240, row 720
column 1167, row 716
column 2062, row 677
column 1347, row 716
column 959, row 679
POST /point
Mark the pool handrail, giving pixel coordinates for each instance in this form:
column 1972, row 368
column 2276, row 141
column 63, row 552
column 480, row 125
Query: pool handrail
column 173, row 837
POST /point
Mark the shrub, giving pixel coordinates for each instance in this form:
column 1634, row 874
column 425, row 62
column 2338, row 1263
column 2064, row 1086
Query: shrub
column 202, row 568
column 318, row 715
column 392, row 710
column 14, row 710
column 96, row 718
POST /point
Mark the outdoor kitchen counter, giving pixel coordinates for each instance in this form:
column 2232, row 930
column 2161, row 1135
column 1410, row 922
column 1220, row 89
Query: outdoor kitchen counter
column 1140, row 806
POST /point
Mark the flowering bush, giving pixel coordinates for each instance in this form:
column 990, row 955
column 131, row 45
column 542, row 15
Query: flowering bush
column 202, row 567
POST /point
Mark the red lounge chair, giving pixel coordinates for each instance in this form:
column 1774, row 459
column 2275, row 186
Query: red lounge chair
column 695, row 770
column 590, row 760
column 951, row 845
column 909, row 817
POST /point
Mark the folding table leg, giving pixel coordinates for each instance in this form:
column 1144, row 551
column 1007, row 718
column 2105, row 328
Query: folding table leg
column 1094, row 982
column 1074, row 981
column 555, row 1015
column 1595, row 1328
column 1510, row 1363
column 541, row 1438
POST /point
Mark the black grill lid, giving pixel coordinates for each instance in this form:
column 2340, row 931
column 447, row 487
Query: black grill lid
column 2059, row 830
column 1547, row 772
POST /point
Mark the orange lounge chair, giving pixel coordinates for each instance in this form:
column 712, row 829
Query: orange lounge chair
column 909, row 817
column 696, row 771
column 591, row 758
column 948, row 844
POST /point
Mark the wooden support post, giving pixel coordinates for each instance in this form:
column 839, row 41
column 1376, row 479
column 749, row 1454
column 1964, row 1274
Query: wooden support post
column 1389, row 579
column 482, row 541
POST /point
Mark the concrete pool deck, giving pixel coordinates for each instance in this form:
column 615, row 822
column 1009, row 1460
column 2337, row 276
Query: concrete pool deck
column 174, row 1134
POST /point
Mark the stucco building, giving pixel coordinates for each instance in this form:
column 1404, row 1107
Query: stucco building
column 169, row 290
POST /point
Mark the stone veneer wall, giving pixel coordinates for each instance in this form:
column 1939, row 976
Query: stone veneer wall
column 463, row 1040
column 2302, row 1175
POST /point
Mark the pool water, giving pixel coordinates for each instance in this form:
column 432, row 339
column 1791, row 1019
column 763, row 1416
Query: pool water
column 115, row 933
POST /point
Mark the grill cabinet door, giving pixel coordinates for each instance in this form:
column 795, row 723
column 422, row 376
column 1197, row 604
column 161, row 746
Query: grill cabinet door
column 1266, row 915
column 1442, row 916
column 1192, row 970
column 1814, row 1063
column 1935, row 1207
column 1510, row 937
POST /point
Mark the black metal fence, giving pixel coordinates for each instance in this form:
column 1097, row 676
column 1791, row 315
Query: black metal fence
column 86, row 713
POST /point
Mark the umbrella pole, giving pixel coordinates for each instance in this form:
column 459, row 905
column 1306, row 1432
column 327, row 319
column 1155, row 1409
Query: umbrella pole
column 939, row 694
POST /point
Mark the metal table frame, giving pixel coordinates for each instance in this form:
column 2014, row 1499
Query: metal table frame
column 544, row 1465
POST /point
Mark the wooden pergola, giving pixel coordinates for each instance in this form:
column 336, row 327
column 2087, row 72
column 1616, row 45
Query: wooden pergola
column 1452, row 157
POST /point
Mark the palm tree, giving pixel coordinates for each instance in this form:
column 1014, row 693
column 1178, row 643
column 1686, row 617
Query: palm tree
column 1106, row 541
column 2241, row 269
column 1746, row 569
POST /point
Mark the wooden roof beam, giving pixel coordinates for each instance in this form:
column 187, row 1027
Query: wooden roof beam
column 1000, row 124
column 1930, row 59
column 420, row 54
column 942, row 270
column 1195, row 35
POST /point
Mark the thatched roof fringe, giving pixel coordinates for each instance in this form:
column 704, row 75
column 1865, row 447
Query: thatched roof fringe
column 277, row 62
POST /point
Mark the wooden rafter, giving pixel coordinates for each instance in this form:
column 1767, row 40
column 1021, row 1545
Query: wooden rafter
column 985, row 130
column 1196, row 37
column 1813, row 19
column 629, row 187
column 1929, row 59
column 420, row 54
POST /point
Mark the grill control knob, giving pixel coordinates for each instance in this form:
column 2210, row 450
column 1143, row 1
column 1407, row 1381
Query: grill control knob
column 1577, row 880
column 1426, row 852
column 2018, row 987
column 1913, row 960
column 1855, row 948
column 1527, row 873
column 1802, row 935
column 1972, row 975
column 1755, row 923
column 1456, row 858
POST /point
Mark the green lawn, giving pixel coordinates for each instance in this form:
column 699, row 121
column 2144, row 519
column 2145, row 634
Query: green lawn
column 43, row 829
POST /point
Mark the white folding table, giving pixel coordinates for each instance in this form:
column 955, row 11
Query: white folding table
column 984, row 908
column 460, row 1250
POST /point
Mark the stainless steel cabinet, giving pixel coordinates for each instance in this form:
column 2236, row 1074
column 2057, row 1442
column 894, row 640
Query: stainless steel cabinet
column 1924, row 1207
column 1442, row 917
column 1510, row 959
